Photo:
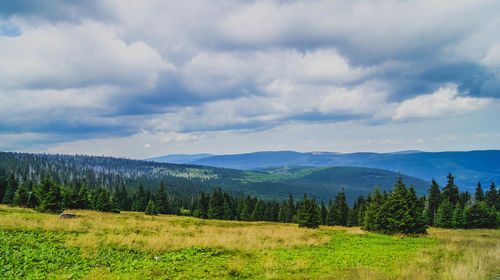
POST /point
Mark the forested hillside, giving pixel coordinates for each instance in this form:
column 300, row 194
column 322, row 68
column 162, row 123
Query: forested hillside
column 470, row 167
column 187, row 181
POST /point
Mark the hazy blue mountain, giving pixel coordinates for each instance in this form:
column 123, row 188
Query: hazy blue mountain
column 468, row 167
column 180, row 158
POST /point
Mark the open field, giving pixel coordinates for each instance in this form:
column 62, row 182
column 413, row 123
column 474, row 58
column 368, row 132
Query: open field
column 123, row 246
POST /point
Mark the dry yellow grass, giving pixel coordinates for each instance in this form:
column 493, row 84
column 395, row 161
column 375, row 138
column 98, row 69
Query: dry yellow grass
column 467, row 254
column 165, row 232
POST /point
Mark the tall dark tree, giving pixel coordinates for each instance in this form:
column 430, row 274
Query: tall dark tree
column 433, row 201
column 202, row 206
column 450, row 191
column 10, row 191
column 140, row 201
column 324, row 213
column 491, row 196
column 341, row 208
column 21, row 197
column 216, row 205
column 49, row 197
column 308, row 213
column 162, row 200
column 479, row 215
column 444, row 217
column 374, row 204
column 479, row 195
column 458, row 216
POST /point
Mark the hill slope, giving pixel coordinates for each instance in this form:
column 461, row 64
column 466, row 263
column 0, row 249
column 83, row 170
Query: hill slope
column 188, row 180
column 468, row 167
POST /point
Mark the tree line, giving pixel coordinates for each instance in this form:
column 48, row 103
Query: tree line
column 389, row 212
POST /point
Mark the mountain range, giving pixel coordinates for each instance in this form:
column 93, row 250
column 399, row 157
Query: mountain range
column 469, row 167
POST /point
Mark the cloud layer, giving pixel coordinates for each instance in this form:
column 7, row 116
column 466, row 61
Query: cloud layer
column 177, row 70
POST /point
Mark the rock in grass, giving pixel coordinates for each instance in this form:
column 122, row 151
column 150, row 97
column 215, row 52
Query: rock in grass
column 67, row 216
column 158, row 258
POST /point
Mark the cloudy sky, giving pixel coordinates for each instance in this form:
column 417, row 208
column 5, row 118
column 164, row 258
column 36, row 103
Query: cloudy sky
column 147, row 78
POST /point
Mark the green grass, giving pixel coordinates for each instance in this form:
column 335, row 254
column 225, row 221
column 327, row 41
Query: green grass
column 123, row 246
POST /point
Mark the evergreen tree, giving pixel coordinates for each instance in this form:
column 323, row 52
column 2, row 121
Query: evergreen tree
column 479, row 215
column 228, row 208
column 21, row 197
column 151, row 208
column 162, row 200
column 341, row 208
column 479, row 195
column 245, row 214
column 216, row 205
column 10, row 191
column 258, row 212
column 83, row 198
column 444, row 217
column 491, row 196
column 331, row 215
column 202, row 207
column 450, row 191
column 49, row 197
column 352, row 219
column 308, row 214
column 371, row 219
column 458, row 216
column 324, row 213
column 291, row 210
column 433, row 201
column 140, row 201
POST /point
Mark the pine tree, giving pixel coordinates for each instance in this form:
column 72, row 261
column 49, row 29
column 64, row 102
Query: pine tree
column 491, row 196
column 216, row 205
column 50, row 197
column 479, row 215
column 308, row 213
column 202, row 207
column 444, row 217
column 374, row 203
column 479, row 195
column 141, row 200
column 352, row 220
column 162, row 200
column 331, row 215
column 450, row 191
column 342, row 208
column 21, row 197
column 10, row 191
column 324, row 213
column 291, row 210
column 458, row 216
column 228, row 208
column 258, row 212
column 83, row 198
column 151, row 208
column 433, row 201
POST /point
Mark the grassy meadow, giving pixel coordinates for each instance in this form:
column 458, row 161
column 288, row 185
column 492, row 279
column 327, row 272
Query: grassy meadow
column 124, row 246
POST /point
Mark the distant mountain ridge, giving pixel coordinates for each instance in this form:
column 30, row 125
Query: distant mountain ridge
column 469, row 167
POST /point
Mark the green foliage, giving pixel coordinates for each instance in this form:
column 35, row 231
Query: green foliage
column 479, row 215
column 458, row 216
column 162, row 200
column 308, row 214
column 151, row 209
column 21, row 197
column 10, row 190
column 491, row 197
column 49, row 197
column 479, row 195
column 216, row 205
column 450, row 191
column 444, row 217
column 433, row 202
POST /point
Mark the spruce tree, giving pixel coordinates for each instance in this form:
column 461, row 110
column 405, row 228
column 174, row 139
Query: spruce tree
column 151, row 208
column 162, row 200
column 50, row 197
column 216, row 205
column 444, row 217
column 342, row 208
column 308, row 214
column 202, row 207
column 371, row 220
column 10, row 191
column 228, row 208
column 141, row 200
column 450, row 191
column 352, row 219
column 331, row 215
column 324, row 213
column 491, row 196
column 83, row 198
column 433, row 201
column 258, row 212
column 458, row 216
column 479, row 195
column 21, row 197
column 479, row 215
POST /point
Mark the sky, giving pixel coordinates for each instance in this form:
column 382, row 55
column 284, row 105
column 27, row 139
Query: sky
column 147, row 78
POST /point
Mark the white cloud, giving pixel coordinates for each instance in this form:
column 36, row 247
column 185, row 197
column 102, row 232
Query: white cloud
column 444, row 102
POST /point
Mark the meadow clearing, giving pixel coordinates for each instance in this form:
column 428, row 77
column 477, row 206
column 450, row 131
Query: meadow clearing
column 99, row 245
